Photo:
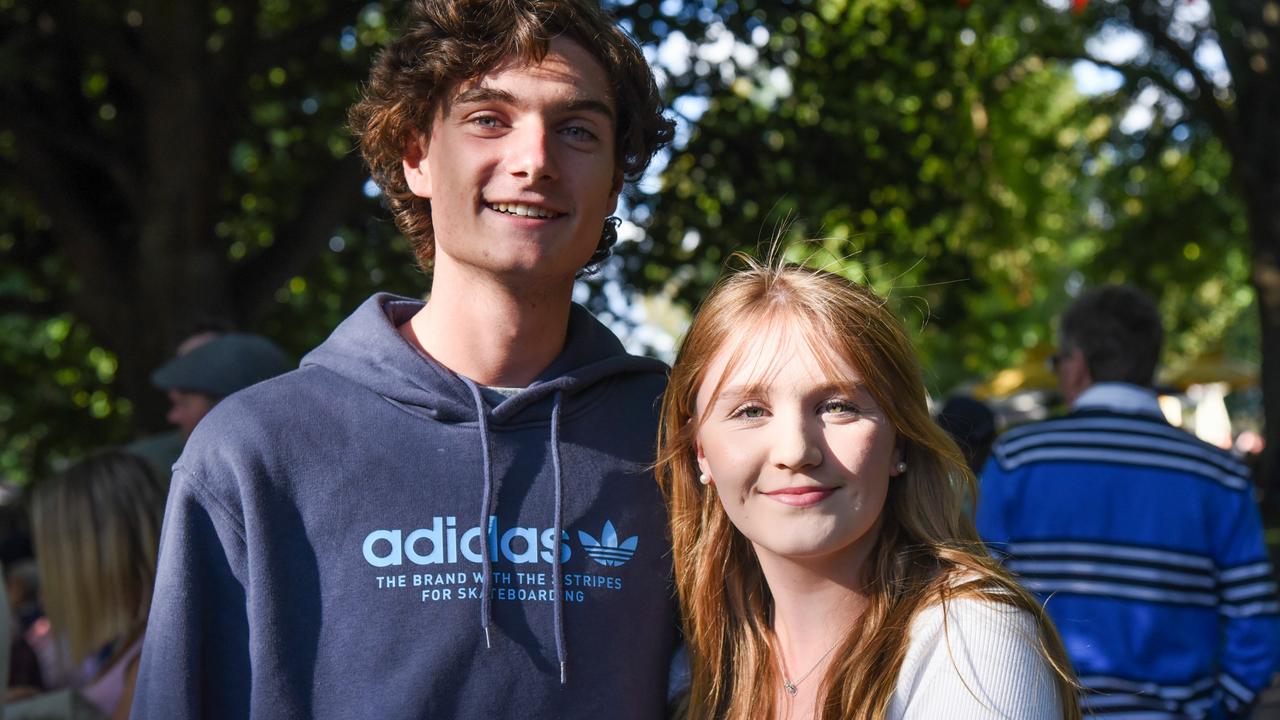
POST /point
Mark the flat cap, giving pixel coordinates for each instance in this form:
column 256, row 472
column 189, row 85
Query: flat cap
column 227, row 363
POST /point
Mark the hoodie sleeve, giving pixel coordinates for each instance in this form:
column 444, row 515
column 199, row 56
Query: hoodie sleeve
column 195, row 659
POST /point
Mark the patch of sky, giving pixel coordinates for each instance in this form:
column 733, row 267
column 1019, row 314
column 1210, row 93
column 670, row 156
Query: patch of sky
column 1210, row 59
column 1093, row 79
column 673, row 53
column 720, row 46
column 759, row 36
column 1141, row 112
column 1117, row 43
column 371, row 188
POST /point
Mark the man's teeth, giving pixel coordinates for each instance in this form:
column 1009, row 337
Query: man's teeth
column 523, row 210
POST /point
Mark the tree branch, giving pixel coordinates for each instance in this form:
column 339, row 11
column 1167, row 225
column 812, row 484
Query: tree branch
column 77, row 233
column 330, row 201
column 107, row 39
column 44, row 133
column 1206, row 104
column 303, row 37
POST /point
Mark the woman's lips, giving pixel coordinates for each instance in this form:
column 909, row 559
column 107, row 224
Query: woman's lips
column 801, row 496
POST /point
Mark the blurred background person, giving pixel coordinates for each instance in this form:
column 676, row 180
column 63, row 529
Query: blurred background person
column 197, row 380
column 1144, row 541
column 96, row 529
column 162, row 449
column 972, row 425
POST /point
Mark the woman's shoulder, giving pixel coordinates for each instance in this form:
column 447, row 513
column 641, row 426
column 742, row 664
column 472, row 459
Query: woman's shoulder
column 976, row 654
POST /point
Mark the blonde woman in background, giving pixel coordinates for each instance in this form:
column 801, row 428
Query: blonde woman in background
column 96, row 529
column 824, row 563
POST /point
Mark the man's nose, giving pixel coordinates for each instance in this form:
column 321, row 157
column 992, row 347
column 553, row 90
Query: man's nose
column 532, row 153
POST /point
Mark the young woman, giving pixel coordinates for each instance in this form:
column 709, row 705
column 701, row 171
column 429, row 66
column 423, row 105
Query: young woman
column 825, row 566
column 96, row 531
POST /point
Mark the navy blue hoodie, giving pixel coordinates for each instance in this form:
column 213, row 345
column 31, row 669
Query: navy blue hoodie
column 367, row 537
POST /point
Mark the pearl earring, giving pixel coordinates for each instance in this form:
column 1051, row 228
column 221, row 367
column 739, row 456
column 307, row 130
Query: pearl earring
column 901, row 467
column 702, row 478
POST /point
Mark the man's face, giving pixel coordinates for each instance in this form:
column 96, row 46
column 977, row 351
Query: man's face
column 520, row 168
column 1073, row 372
column 187, row 408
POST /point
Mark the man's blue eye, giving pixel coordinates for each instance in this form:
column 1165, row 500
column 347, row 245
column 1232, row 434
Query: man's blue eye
column 579, row 133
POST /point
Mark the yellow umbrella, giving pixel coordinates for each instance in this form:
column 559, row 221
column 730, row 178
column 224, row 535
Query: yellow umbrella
column 1214, row 367
column 1032, row 374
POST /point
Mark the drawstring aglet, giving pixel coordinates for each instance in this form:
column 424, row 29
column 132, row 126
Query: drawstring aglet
column 487, row 645
column 564, row 673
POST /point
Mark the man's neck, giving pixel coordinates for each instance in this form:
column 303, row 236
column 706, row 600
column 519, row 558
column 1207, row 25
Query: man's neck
column 485, row 330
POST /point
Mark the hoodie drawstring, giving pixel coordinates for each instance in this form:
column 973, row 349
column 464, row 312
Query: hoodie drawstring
column 557, row 572
column 489, row 495
column 486, row 510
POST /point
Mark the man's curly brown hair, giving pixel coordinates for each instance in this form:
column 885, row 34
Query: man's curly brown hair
column 447, row 43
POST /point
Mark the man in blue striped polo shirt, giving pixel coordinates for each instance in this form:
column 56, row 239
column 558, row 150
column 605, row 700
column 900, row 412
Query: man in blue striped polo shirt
column 1144, row 541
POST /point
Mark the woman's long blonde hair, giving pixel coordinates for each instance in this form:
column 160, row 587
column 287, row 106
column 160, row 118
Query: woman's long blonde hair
column 97, row 530
column 927, row 551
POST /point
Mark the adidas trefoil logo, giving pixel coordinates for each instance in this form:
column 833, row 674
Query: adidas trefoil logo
column 607, row 550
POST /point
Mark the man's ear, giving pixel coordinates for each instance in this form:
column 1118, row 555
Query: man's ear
column 614, row 191
column 417, row 172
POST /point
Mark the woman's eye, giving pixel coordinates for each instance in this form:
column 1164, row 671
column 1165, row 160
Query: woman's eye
column 839, row 407
column 749, row 412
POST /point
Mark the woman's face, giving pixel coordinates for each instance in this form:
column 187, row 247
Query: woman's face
column 799, row 455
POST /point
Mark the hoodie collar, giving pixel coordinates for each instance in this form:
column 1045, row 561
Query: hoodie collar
column 367, row 349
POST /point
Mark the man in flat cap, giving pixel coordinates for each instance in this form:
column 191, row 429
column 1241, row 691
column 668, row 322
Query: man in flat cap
column 198, row 379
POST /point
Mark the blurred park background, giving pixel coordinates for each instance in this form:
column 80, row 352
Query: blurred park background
column 165, row 162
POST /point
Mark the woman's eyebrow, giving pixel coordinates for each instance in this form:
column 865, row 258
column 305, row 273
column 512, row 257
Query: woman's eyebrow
column 738, row 393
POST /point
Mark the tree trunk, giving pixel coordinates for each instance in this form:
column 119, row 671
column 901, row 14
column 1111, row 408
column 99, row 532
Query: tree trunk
column 1262, row 197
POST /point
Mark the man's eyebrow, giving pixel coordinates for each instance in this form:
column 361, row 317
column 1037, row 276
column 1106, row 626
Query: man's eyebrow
column 483, row 94
column 590, row 105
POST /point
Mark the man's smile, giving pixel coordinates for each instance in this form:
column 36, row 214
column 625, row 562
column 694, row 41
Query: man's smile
column 525, row 210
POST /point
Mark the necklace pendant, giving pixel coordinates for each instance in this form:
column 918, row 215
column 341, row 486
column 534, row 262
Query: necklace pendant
column 789, row 687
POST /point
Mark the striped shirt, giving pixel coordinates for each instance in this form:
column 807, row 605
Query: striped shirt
column 1147, row 547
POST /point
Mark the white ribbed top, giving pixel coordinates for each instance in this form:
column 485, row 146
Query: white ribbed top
column 984, row 664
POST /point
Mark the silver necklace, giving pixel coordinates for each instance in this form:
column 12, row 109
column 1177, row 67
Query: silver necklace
column 793, row 686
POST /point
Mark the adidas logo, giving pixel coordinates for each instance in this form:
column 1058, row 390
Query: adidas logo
column 607, row 550
column 446, row 543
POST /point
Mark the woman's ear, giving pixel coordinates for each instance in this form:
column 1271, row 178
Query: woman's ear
column 704, row 467
column 899, row 458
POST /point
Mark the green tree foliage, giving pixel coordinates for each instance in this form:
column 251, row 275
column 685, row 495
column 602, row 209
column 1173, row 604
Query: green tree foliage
column 161, row 163
column 165, row 163
column 943, row 153
column 917, row 142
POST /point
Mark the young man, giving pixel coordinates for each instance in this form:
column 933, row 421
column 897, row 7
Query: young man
column 447, row 511
column 1144, row 542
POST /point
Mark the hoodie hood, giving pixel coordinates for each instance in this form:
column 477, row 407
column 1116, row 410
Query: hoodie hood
column 368, row 350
